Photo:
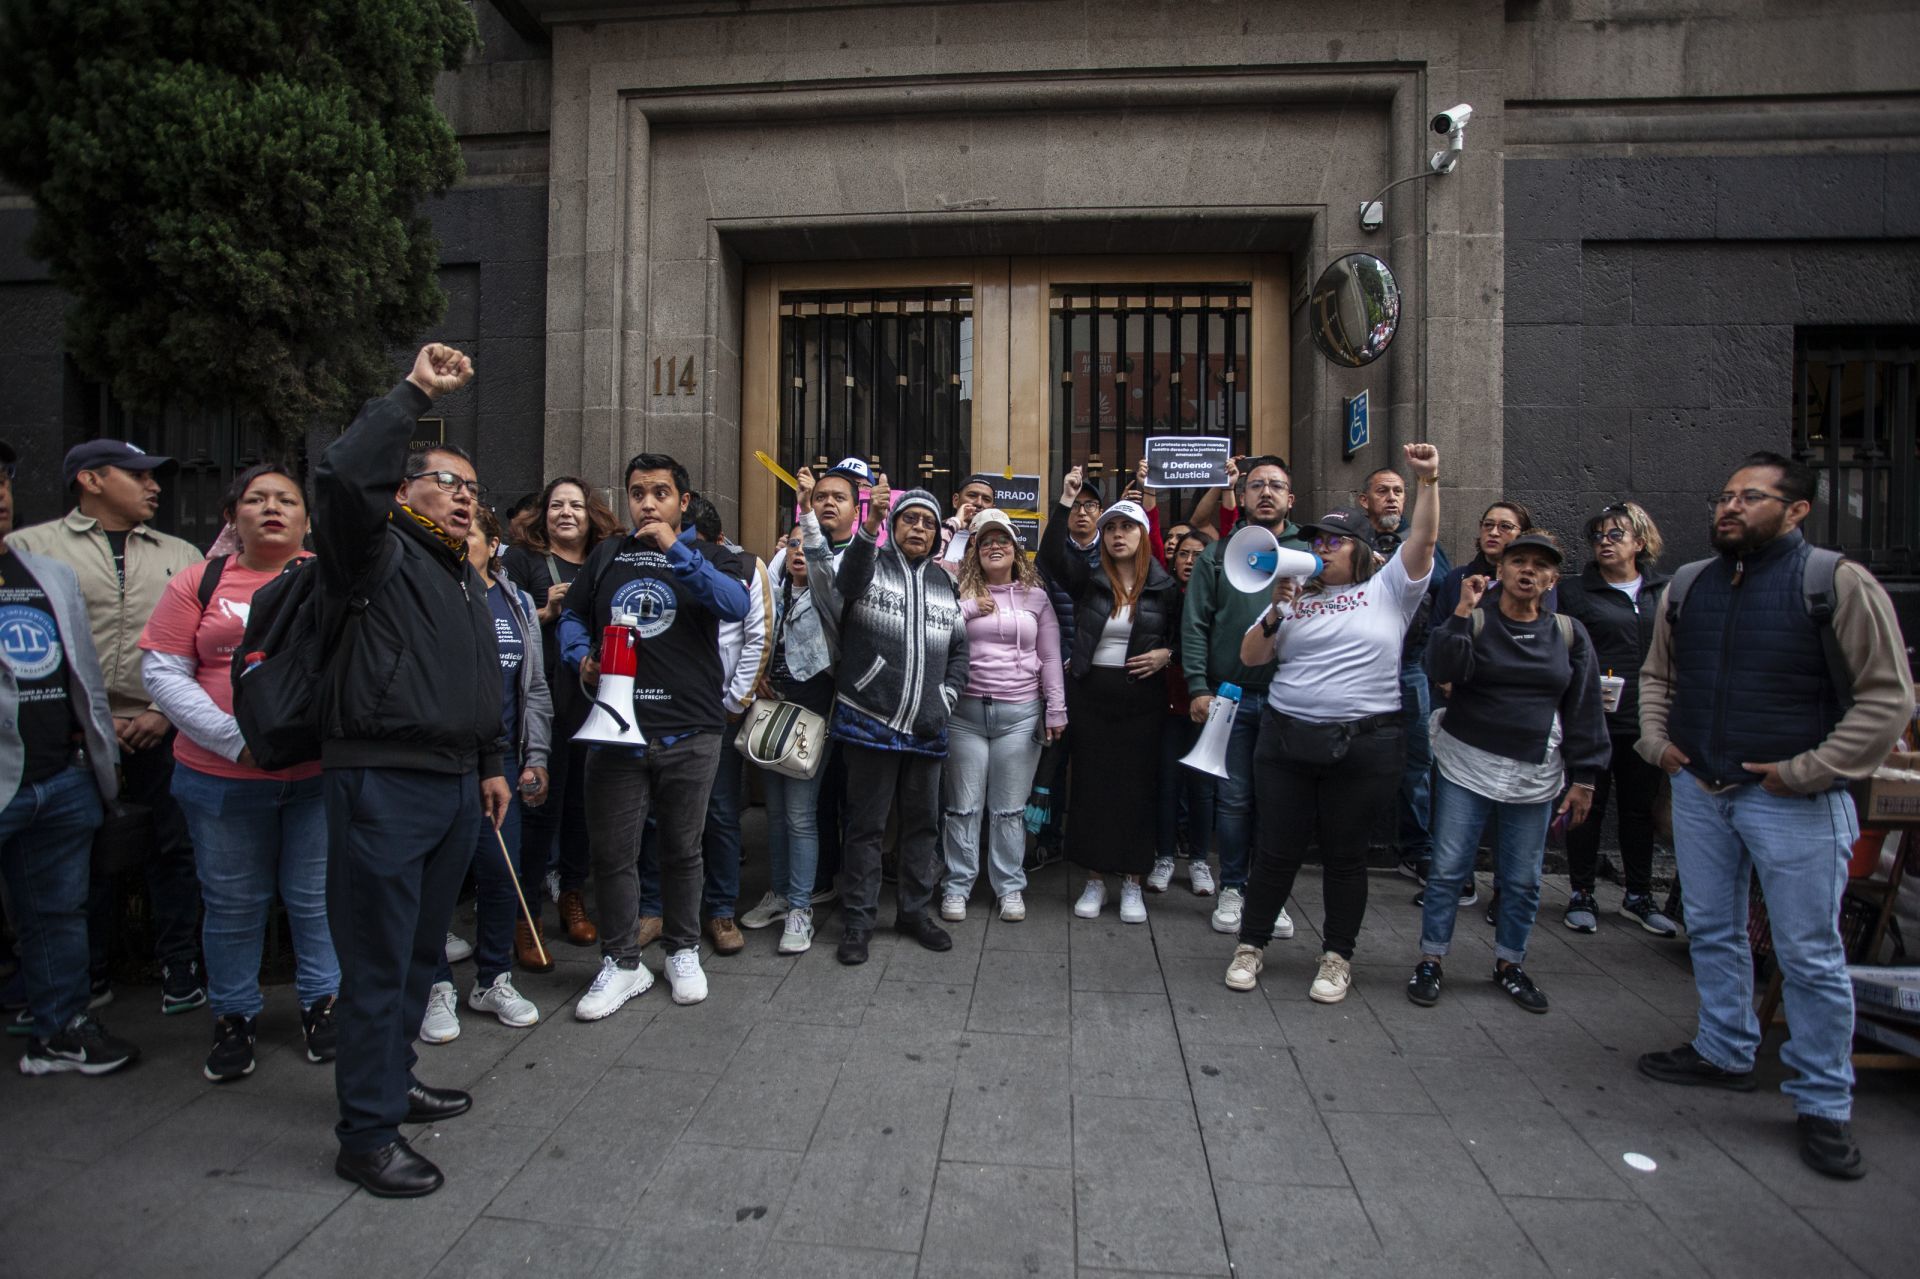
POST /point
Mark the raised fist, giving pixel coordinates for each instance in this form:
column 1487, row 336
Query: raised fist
column 440, row 369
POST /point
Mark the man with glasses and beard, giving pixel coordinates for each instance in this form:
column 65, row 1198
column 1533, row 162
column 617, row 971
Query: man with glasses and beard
column 1770, row 708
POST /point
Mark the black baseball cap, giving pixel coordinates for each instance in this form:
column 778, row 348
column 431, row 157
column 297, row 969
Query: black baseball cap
column 95, row 454
column 1089, row 488
column 1535, row 541
column 1341, row 521
column 981, row 477
column 8, row 457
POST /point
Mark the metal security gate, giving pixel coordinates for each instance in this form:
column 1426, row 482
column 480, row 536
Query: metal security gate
column 1132, row 360
column 881, row 375
column 1856, row 421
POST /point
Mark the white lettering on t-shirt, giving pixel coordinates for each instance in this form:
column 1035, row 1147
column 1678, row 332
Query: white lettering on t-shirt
column 1339, row 648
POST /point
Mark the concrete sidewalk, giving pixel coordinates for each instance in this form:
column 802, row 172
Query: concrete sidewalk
column 1055, row 1097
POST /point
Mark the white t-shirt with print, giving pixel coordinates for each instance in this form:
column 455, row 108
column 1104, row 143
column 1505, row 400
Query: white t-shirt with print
column 1339, row 648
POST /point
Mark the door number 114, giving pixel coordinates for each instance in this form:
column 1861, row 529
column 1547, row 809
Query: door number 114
column 678, row 376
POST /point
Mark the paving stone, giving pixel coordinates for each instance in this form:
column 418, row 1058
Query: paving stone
column 913, row 1005
column 704, row 1036
column 877, row 1144
column 1282, row 1231
column 219, row 1221
column 1341, row 1079
column 1011, row 1101
column 925, row 1057
column 989, row 1220
column 1020, row 992
column 1111, row 956
column 1124, row 1045
column 1585, row 1237
column 1480, row 1087
column 1138, row 1213
column 774, row 1089
column 499, row 1248
column 910, row 961
column 807, row 1261
column 1539, row 1156
column 1206, row 1011
column 710, row 1211
column 1869, row 1238
column 1258, row 1118
column 827, row 992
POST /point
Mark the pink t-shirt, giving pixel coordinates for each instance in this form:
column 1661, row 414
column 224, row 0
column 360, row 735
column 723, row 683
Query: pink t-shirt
column 178, row 626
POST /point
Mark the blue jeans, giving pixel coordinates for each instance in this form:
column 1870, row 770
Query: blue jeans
column 1799, row 846
column 793, row 834
column 719, row 843
column 496, row 907
column 1519, row 849
column 992, row 749
column 249, row 837
column 1416, row 783
column 1233, row 794
column 1184, row 792
column 46, row 851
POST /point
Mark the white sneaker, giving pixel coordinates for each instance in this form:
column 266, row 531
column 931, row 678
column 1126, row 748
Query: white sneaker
column 612, row 987
column 798, row 935
column 1244, row 972
column 1226, row 916
column 504, row 1002
column 1013, row 908
column 1133, row 906
column 1200, row 875
column 769, row 908
column 442, row 1023
column 1334, row 980
column 684, row 975
column 1092, row 898
column 1162, row 875
column 458, row 948
column 1283, row 926
column 953, row 908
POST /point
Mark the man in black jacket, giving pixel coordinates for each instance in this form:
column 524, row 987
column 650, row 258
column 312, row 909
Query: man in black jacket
column 411, row 744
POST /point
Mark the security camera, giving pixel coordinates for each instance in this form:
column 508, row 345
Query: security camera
column 1452, row 118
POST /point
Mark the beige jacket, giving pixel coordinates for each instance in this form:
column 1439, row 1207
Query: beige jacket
column 1869, row 636
column 117, row 614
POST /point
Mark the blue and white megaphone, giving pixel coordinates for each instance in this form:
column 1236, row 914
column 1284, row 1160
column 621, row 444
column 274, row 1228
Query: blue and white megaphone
column 1254, row 558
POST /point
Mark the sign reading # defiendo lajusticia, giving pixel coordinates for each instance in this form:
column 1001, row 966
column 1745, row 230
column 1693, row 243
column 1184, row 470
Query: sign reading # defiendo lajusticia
column 1187, row 461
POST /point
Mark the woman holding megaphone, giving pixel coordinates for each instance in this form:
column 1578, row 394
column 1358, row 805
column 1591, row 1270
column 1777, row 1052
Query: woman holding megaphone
column 1329, row 752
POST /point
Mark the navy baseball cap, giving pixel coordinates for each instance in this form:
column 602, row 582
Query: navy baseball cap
column 95, row 454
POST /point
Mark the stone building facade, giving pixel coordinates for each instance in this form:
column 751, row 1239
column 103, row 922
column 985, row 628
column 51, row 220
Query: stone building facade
column 967, row 236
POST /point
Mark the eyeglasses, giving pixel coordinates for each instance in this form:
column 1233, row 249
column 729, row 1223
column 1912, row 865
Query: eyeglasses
column 1268, row 486
column 1001, row 542
column 1607, row 535
column 1499, row 526
column 1746, row 497
column 917, row 519
column 449, row 482
column 1329, row 542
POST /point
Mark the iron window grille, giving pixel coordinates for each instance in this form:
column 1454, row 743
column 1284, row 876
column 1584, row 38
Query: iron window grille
column 1856, row 421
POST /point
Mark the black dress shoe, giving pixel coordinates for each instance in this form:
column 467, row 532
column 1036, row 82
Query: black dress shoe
column 430, row 1105
column 1683, row 1065
column 853, row 947
column 394, row 1171
column 923, row 930
column 1827, row 1146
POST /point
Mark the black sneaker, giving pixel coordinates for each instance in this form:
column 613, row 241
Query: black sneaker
column 1469, row 894
column 99, row 993
column 1414, row 868
column 323, row 1036
column 1641, row 908
column 1493, row 906
column 1683, row 1065
column 1514, row 980
column 1424, row 989
column 21, row 1023
column 1583, row 913
column 232, row 1055
column 84, row 1046
column 1675, row 909
column 1827, row 1147
column 181, row 989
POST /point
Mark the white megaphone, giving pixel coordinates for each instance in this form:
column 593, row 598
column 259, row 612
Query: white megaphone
column 1254, row 558
column 611, row 722
column 1209, row 754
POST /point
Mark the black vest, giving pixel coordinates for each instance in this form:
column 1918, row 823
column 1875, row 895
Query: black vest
column 1751, row 683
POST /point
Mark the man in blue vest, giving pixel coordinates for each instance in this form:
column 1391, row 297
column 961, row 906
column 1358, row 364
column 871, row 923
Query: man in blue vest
column 1770, row 689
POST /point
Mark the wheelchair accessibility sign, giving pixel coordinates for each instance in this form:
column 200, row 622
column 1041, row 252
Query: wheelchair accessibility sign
column 1358, row 425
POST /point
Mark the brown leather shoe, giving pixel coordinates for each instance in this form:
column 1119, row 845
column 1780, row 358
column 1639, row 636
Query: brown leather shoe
column 725, row 936
column 573, row 918
column 525, row 954
column 648, row 932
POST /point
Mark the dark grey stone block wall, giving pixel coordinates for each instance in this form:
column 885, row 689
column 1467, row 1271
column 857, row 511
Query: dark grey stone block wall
column 493, row 251
column 1651, row 305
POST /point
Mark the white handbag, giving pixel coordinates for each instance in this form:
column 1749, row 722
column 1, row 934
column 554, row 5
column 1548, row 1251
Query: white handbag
column 783, row 738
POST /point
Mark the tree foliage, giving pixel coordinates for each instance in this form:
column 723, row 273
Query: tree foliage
column 230, row 189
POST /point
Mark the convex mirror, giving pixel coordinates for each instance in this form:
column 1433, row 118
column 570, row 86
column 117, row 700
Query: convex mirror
column 1355, row 309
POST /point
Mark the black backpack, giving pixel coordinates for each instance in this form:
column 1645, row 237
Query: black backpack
column 286, row 652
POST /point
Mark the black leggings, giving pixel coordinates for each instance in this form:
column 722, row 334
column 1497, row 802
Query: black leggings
column 1295, row 800
column 1634, row 784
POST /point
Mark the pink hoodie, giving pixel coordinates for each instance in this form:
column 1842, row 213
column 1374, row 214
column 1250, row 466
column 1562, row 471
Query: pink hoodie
column 1013, row 651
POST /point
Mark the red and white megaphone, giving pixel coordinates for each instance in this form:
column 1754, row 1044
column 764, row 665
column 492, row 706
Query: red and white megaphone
column 1253, row 558
column 611, row 722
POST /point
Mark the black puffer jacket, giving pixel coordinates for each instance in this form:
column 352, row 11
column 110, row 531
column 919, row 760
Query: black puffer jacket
column 1156, row 614
column 1622, row 631
column 416, row 683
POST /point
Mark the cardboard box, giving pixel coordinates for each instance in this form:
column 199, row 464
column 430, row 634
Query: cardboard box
column 1892, row 794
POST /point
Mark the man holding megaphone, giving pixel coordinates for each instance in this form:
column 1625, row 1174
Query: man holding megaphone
column 1217, row 614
